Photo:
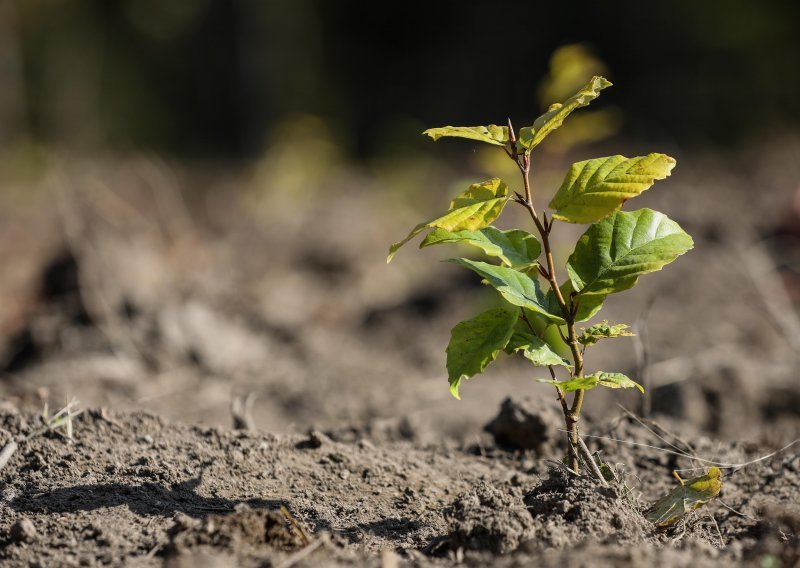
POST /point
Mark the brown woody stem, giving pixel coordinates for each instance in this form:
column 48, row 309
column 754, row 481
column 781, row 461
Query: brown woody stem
column 571, row 413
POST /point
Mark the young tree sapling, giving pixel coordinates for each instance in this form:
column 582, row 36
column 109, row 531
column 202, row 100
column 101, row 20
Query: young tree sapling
column 616, row 249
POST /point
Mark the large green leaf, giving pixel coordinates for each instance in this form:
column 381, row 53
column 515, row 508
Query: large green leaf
column 492, row 134
column 535, row 350
column 612, row 254
column 595, row 188
column 475, row 343
column 531, row 136
column 471, row 210
column 516, row 287
column 602, row 330
column 599, row 379
column 516, row 248
column 588, row 306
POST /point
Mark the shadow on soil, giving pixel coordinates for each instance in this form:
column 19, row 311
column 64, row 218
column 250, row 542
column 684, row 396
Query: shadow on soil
column 144, row 500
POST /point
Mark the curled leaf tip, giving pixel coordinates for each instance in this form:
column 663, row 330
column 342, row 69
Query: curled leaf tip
column 600, row 82
column 531, row 136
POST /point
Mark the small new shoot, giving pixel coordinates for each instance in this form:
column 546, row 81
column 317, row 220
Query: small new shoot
column 61, row 420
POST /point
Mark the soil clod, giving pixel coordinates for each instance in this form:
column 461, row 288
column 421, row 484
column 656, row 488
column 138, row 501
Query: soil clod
column 488, row 518
column 528, row 424
column 23, row 530
column 244, row 529
column 571, row 509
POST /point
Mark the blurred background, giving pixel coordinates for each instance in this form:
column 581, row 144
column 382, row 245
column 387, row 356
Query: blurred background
column 196, row 198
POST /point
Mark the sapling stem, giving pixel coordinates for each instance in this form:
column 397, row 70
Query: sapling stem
column 571, row 414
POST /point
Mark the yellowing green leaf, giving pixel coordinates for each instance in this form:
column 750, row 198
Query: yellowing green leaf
column 530, row 137
column 599, row 379
column 593, row 189
column 515, row 248
column 475, row 343
column 535, row 350
column 516, row 287
column 602, row 330
column 480, row 192
column 612, row 254
column 689, row 495
column 492, row 134
column 471, row 210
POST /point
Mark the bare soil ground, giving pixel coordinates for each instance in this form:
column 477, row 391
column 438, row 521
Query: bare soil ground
column 177, row 306
column 134, row 489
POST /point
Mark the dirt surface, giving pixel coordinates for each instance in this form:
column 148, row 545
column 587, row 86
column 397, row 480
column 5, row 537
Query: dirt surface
column 178, row 303
column 134, row 489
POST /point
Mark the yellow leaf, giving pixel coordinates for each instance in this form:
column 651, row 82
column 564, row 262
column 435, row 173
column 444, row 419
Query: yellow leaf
column 688, row 496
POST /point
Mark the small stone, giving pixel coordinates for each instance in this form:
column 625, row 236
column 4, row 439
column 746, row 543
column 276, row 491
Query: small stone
column 23, row 530
column 365, row 444
column 315, row 440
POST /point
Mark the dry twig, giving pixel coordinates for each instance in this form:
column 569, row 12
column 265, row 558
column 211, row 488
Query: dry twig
column 590, row 463
column 304, row 552
column 8, row 451
column 761, row 270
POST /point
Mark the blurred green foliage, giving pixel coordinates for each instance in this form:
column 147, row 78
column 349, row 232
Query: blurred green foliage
column 199, row 78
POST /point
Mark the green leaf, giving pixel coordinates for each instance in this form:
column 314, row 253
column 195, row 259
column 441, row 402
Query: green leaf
column 531, row 136
column 599, row 379
column 536, row 350
column 588, row 306
column 612, row 254
column 516, row 248
column 596, row 188
column 475, row 343
column 471, row 210
column 689, row 495
column 602, row 330
column 492, row 134
column 516, row 287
